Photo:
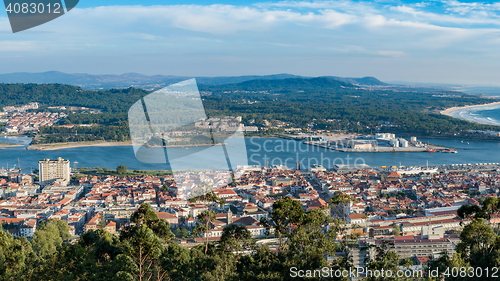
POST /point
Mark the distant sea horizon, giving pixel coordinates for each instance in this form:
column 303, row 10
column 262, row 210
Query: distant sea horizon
column 481, row 90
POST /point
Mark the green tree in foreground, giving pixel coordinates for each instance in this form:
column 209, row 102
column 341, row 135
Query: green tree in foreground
column 15, row 256
column 49, row 236
column 235, row 238
column 387, row 260
column 146, row 215
column 286, row 213
column 479, row 245
column 146, row 251
column 203, row 227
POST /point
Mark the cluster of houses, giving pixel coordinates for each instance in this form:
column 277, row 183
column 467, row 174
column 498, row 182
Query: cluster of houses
column 26, row 122
column 417, row 214
column 21, row 108
column 392, row 195
column 489, row 133
column 409, row 210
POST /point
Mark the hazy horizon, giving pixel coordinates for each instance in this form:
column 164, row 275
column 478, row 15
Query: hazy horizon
column 409, row 83
column 446, row 42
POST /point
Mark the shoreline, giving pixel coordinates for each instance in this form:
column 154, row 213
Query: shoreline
column 448, row 111
column 65, row 145
column 6, row 145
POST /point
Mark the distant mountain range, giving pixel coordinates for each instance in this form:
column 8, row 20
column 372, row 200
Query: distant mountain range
column 281, row 85
column 95, row 82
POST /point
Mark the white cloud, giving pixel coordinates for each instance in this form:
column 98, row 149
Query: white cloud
column 214, row 19
column 393, row 54
column 334, row 19
column 229, row 20
column 478, row 18
column 154, row 22
column 108, row 27
column 271, row 30
column 16, row 46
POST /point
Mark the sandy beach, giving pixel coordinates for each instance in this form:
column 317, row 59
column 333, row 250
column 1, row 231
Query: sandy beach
column 448, row 111
column 4, row 145
column 64, row 145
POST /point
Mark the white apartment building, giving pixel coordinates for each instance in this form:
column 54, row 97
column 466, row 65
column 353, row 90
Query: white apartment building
column 54, row 170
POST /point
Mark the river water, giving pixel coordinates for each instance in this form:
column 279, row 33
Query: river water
column 259, row 151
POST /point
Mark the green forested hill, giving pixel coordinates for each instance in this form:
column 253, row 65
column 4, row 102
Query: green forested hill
column 314, row 91
column 318, row 103
column 64, row 95
column 325, row 90
column 289, row 85
column 114, row 105
column 299, row 101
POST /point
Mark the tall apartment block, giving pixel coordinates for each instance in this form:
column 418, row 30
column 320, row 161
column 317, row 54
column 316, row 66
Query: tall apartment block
column 51, row 171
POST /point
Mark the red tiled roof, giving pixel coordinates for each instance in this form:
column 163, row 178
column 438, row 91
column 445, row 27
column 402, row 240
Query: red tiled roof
column 165, row 215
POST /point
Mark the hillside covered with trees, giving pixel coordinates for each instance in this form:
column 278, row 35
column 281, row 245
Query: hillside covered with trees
column 337, row 105
column 315, row 103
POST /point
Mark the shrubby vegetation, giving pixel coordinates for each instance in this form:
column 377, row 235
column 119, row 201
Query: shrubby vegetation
column 97, row 171
column 94, row 133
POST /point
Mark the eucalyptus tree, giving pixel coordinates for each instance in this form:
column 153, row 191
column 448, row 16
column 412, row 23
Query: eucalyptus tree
column 203, row 226
column 286, row 213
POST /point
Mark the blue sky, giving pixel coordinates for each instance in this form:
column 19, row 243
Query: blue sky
column 431, row 41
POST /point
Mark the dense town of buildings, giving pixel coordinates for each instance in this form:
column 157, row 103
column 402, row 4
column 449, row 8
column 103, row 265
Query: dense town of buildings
column 422, row 207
